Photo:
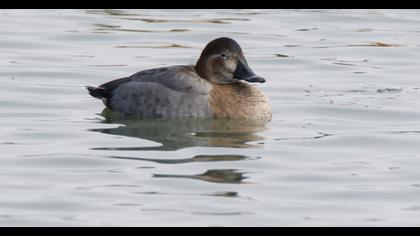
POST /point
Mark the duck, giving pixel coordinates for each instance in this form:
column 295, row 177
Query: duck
column 219, row 85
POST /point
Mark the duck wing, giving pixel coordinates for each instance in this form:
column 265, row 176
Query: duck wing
column 175, row 91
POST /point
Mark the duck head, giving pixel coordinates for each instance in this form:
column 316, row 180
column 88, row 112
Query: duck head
column 222, row 62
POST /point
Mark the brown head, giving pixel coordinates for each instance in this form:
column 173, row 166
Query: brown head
column 222, row 62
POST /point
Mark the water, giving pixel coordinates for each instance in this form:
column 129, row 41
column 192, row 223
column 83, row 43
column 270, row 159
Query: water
column 342, row 148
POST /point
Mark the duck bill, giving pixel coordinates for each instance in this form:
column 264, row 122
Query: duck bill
column 243, row 72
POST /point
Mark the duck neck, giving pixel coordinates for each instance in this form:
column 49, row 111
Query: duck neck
column 200, row 69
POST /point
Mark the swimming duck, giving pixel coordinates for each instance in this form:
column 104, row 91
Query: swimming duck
column 215, row 87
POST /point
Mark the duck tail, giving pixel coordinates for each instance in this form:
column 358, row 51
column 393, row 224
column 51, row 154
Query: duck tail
column 97, row 92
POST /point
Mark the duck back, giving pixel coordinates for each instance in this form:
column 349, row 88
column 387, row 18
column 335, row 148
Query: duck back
column 169, row 92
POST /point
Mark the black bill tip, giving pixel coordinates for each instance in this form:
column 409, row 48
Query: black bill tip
column 255, row 79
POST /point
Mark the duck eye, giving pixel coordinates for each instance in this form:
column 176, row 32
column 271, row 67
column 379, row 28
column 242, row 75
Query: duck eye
column 223, row 55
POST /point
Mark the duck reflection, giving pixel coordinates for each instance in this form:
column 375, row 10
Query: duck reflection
column 216, row 176
column 177, row 134
column 198, row 158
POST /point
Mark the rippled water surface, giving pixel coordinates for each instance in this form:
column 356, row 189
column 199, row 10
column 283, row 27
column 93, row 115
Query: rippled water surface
column 342, row 148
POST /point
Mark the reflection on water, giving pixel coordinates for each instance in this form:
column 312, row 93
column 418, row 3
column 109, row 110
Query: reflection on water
column 198, row 158
column 229, row 194
column 183, row 133
column 215, row 176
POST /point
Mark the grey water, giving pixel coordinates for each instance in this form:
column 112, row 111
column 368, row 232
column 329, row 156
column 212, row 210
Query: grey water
column 342, row 148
